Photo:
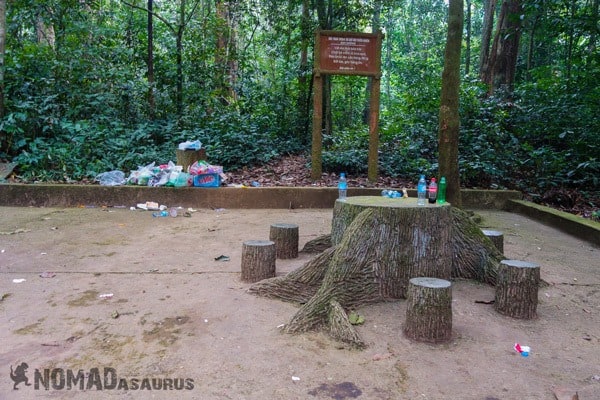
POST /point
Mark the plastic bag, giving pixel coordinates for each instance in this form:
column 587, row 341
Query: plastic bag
column 111, row 178
column 189, row 145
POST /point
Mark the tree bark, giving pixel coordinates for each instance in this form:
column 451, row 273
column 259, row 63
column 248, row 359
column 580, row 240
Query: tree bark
column 502, row 62
column 449, row 119
column 258, row 260
column 285, row 237
column 517, row 289
column 429, row 310
column 150, row 61
column 486, row 37
column 2, row 64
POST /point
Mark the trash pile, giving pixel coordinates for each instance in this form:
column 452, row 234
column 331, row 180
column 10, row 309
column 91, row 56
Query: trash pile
column 199, row 174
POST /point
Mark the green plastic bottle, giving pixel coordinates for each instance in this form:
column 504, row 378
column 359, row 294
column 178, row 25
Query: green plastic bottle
column 441, row 197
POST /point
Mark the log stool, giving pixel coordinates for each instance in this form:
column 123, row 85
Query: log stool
column 429, row 310
column 285, row 237
column 496, row 237
column 258, row 260
column 517, row 289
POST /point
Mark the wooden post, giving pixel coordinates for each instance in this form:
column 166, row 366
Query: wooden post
column 496, row 237
column 258, row 260
column 186, row 158
column 429, row 310
column 285, row 237
column 517, row 289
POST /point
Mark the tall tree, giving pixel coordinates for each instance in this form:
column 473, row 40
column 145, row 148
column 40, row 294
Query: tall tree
column 150, row 61
column 468, row 39
column 489, row 10
column 2, row 53
column 449, row 119
column 502, row 63
column 225, row 52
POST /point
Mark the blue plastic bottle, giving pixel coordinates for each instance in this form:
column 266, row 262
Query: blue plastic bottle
column 421, row 191
column 342, row 187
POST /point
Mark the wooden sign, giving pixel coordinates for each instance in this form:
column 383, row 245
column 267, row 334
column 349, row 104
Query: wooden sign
column 346, row 53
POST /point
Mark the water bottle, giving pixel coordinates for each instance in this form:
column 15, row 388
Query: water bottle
column 342, row 187
column 441, row 198
column 432, row 191
column 421, row 191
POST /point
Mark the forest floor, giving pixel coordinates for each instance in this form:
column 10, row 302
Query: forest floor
column 146, row 307
column 294, row 170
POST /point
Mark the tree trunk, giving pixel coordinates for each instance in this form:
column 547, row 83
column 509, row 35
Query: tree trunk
column 150, row 58
column 303, row 118
column 2, row 64
column 468, row 40
column 380, row 244
column 503, row 57
column 449, row 119
column 486, row 37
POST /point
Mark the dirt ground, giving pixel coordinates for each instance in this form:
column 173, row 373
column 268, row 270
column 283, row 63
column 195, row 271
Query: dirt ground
column 180, row 319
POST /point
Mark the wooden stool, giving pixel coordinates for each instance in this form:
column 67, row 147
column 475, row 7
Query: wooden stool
column 517, row 289
column 429, row 310
column 258, row 260
column 285, row 237
column 496, row 237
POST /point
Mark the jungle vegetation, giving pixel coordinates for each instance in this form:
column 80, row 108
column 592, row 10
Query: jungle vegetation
column 89, row 86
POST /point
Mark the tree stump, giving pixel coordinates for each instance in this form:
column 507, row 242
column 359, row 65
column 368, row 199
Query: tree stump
column 258, row 260
column 186, row 158
column 517, row 289
column 380, row 245
column 285, row 237
column 429, row 310
column 405, row 240
column 496, row 237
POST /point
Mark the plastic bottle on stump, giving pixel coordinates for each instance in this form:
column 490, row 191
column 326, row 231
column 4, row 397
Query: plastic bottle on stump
column 342, row 187
column 441, row 198
column 421, row 191
column 432, row 191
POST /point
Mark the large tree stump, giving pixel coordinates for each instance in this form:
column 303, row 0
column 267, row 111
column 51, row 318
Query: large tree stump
column 496, row 237
column 258, row 260
column 285, row 237
column 186, row 158
column 517, row 289
column 380, row 245
column 429, row 310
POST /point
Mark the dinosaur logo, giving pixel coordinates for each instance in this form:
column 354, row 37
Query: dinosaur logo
column 18, row 375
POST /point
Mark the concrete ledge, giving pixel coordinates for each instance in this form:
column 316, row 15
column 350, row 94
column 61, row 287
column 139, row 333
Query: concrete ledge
column 48, row 195
column 576, row 226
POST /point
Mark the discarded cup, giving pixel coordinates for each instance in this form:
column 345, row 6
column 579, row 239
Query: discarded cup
column 523, row 350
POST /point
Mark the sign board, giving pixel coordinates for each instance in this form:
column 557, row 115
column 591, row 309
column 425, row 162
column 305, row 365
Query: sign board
column 346, row 53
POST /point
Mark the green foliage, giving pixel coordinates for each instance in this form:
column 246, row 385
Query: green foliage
column 79, row 106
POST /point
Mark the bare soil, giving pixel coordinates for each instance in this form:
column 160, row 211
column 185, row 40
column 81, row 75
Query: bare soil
column 179, row 317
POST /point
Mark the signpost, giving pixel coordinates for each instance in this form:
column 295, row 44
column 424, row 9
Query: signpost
column 346, row 53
